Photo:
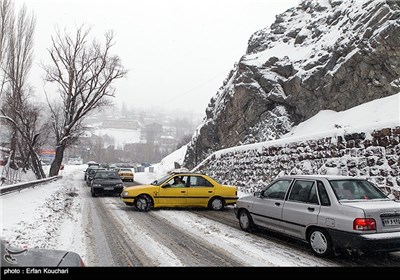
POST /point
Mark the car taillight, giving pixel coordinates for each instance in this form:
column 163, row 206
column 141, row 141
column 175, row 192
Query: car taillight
column 364, row 224
column 81, row 263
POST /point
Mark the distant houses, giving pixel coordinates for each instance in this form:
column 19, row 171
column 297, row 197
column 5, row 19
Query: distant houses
column 121, row 123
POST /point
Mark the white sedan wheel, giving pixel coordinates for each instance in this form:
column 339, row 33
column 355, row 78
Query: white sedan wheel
column 318, row 242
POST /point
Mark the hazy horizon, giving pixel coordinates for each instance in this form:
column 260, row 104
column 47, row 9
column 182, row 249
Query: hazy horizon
column 178, row 52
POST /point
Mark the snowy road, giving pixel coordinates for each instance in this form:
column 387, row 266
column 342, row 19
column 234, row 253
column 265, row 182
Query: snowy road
column 179, row 238
column 105, row 232
column 199, row 238
column 146, row 239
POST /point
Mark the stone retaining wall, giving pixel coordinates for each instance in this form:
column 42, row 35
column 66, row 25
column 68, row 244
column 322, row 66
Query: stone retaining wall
column 373, row 154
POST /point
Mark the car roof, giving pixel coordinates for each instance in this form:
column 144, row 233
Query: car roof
column 94, row 167
column 327, row 177
column 186, row 173
column 97, row 169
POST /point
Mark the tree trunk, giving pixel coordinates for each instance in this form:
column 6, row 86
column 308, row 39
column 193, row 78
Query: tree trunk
column 56, row 164
column 37, row 166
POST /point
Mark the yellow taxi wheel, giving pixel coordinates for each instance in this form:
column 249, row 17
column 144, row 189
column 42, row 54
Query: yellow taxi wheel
column 216, row 204
column 142, row 203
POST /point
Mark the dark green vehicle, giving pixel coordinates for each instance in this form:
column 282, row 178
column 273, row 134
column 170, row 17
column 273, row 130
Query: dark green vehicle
column 106, row 182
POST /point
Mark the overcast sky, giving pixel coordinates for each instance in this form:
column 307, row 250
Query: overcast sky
column 178, row 52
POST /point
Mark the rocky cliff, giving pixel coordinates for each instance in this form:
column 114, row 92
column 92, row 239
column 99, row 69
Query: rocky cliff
column 321, row 55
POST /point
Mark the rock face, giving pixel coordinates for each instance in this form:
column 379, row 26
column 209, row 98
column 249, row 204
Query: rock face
column 320, row 55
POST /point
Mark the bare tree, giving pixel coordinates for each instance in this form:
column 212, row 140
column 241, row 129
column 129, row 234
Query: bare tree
column 20, row 114
column 29, row 138
column 6, row 10
column 6, row 14
column 84, row 73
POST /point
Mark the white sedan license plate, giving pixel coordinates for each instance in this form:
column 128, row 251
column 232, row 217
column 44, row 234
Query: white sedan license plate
column 391, row 221
column 108, row 189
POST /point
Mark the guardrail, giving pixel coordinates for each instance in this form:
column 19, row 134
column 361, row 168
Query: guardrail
column 20, row 186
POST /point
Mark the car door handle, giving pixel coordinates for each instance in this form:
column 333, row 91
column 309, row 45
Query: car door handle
column 311, row 209
column 209, row 191
column 277, row 203
column 183, row 191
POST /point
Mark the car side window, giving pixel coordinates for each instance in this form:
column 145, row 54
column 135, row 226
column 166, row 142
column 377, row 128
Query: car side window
column 277, row 190
column 323, row 195
column 312, row 196
column 177, row 182
column 198, row 181
column 301, row 191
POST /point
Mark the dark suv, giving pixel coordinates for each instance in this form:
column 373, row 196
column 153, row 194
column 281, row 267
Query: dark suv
column 91, row 171
column 106, row 182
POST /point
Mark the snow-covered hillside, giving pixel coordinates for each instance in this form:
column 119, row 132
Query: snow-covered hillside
column 375, row 114
column 362, row 141
column 383, row 112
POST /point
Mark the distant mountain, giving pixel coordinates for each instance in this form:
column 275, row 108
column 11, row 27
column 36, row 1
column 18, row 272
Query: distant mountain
column 321, row 55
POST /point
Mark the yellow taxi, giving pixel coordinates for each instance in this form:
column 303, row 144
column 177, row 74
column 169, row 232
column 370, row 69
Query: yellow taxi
column 126, row 174
column 180, row 190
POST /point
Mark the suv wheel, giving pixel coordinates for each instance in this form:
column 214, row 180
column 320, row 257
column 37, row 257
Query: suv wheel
column 320, row 242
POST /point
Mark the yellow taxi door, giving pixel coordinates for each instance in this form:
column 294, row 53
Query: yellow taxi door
column 199, row 191
column 171, row 196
